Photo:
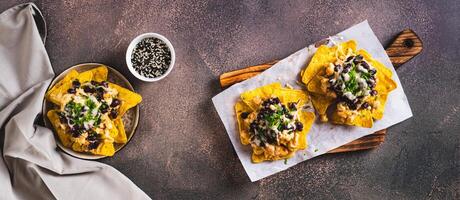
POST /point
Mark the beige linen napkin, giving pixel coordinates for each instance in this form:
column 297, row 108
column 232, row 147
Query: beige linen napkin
column 32, row 166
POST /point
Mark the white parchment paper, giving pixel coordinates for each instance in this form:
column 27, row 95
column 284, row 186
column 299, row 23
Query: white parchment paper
column 322, row 137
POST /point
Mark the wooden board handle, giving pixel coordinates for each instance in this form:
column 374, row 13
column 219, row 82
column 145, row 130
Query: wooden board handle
column 404, row 47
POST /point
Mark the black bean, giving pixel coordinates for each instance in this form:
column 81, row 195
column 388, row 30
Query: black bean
column 365, row 65
column 292, row 106
column 253, row 126
column 113, row 114
column 244, row 115
column 374, row 92
column 358, row 58
column 337, row 68
column 298, row 126
column 105, row 84
column 63, row 119
column 371, row 84
column 100, row 90
column 95, row 83
column 349, row 58
column 372, row 71
column 76, row 83
column 348, row 66
column 115, row 103
column 93, row 145
column 104, row 108
column 71, row 91
column 352, row 106
column 276, row 100
column 365, row 105
column 88, row 89
column 289, row 116
column 260, row 115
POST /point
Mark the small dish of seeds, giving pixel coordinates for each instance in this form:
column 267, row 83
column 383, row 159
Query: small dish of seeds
column 150, row 57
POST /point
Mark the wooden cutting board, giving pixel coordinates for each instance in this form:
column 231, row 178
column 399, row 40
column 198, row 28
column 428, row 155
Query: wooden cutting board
column 404, row 47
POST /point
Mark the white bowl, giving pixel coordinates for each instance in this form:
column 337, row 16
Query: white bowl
column 133, row 44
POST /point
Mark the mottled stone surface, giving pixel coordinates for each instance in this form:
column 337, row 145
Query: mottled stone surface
column 181, row 149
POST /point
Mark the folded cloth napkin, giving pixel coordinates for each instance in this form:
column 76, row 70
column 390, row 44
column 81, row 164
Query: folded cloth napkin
column 32, row 167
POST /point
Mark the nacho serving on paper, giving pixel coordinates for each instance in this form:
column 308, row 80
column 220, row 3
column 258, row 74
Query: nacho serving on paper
column 89, row 110
column 273, row 120
column 348, row 82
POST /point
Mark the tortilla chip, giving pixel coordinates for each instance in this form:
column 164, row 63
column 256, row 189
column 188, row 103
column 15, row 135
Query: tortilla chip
column 281, row 153
column 307, row 119
column 378, row 113
column 56, row 93
column 241, row 107
column 63, row 136
column 99, row 73
column 385, row 83
column 312, row 77
column 325, row 55
column 252, row 97
column 128, row 98
column 321, row 103
column 363, row 119
column 250, row 103
column 105, row 149
column 121, row 136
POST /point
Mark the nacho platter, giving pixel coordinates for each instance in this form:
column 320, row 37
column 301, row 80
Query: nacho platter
column 126, row 122
column 404, row 47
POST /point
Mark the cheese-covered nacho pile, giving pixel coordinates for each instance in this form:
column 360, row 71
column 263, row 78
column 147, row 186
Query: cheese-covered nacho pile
column 89, row 110
column 349, row 83
column 272, row 119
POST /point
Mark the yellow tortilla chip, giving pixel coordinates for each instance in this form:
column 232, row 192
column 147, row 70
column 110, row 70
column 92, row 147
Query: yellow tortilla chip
column 307, row 119
column 121, row 136
column 240, row 108
column 363, row 119
column 282, row 153
column 250, row 103
column 60, row 88
column 61, row 132
column 314, row 74
column 325, row 55
column 321, row 103
column 128, row 98
column 99, row 73
column 105, row 149
column 385, row 83
column 378, row 113
column 252, row 98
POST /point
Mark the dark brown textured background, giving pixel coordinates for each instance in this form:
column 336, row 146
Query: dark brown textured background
column 181, row 149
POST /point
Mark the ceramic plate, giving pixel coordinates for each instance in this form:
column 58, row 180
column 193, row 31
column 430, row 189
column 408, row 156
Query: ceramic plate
column 130, row 119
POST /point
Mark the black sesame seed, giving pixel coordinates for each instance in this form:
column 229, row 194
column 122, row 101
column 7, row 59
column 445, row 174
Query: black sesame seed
column 151, row 57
